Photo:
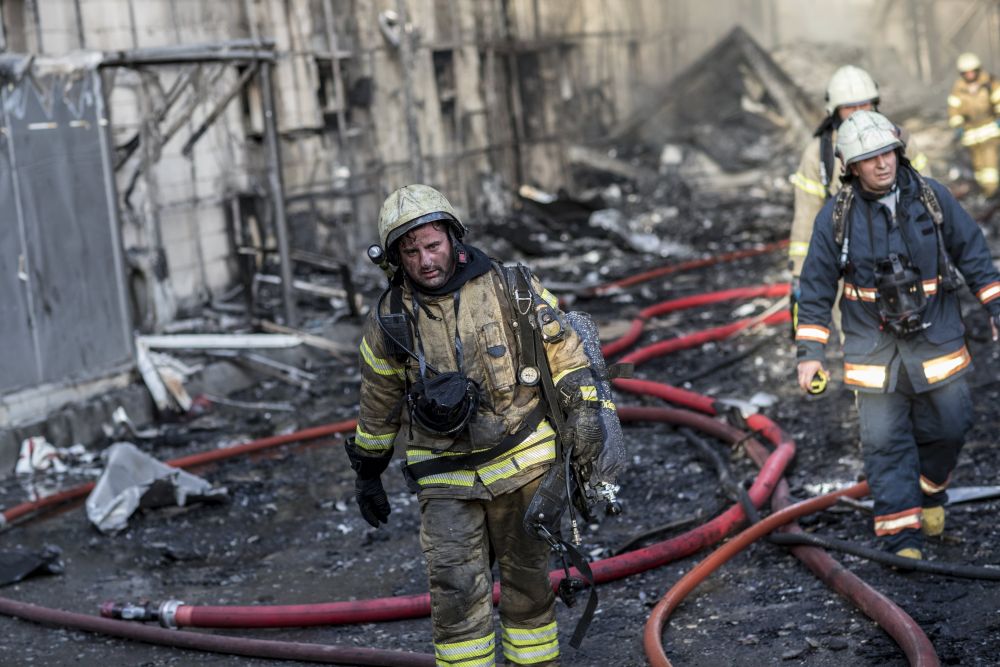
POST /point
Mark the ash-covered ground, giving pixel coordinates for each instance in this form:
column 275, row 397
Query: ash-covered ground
column 291, row 534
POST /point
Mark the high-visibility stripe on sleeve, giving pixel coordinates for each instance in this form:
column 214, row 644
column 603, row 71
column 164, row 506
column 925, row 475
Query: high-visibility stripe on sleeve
column 549, row 298
column 943, row 367
column 808, row 185
column 864, row 375
column 930, row 286
column 529, row 646
column 890, row 524
column 919, row 161
column 954, row 101
column 989, row 292
column 978, row 135
column 588, row 393
column 956, row 120
column 378, row 364
column 813, row 332
column 930, row 488
column 371, row 442
column 471, row 653
column 853, row 293
column 798, row 248
column 987, row 176
column 561, row 374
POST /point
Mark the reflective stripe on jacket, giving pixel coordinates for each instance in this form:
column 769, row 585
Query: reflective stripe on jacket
column 492, row 357
column 872, row 356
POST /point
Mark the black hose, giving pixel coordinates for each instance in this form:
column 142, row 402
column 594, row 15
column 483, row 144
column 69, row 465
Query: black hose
column 725, row 362
column 886, row 558
column 845, row 546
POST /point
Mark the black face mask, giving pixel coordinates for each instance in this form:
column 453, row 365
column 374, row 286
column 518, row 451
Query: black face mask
column 901, row 299
column 444, row 404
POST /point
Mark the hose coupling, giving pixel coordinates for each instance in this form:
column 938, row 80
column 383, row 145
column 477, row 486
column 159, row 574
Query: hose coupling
column 165, row 613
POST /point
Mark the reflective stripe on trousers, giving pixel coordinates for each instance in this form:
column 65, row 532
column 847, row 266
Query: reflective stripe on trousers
column 455, row 536
column 906, row 436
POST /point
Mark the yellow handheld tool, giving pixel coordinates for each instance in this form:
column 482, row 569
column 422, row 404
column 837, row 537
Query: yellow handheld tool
column 818, row 384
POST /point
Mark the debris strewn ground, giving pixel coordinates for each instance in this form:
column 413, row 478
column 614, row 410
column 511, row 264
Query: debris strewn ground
column 290, row 532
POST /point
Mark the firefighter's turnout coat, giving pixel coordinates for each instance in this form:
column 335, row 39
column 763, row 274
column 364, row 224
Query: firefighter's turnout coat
column 491, row 352
column 872, row 356
column 975, row 108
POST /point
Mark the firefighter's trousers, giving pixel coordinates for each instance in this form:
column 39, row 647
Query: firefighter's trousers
column 911, row 444
column 456, row 536
column 985, row 159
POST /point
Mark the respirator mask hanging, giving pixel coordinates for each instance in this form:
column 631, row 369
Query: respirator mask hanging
column 901, row 300
column 443, row 405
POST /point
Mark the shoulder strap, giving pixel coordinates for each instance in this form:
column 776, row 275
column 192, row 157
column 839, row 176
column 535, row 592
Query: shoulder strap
column 841, row 235
column 826, row 161
column 930, row 201
column 950, row 277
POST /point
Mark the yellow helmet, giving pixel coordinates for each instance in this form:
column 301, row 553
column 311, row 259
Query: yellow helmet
column 866, row 134
column 411, row 206
column 850, row 85
column 968, row 62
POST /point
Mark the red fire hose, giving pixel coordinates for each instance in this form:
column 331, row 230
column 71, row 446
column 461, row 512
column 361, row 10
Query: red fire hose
column 259, row 648
column 412, row 606
column 621, row 344
column 637, row 278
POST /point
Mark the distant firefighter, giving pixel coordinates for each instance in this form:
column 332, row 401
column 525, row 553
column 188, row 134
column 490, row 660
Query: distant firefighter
column 818, row 177
column 974, row 112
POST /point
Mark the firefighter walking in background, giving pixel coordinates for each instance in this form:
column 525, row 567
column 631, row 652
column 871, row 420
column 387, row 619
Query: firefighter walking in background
column 898, row 241
column 448, row 376
column 974, row 112
column 818, row 177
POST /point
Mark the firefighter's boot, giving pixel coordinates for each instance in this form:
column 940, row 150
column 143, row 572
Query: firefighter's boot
column 932, row 521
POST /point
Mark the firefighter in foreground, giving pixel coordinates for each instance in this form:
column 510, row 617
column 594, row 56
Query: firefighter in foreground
column 974, row 112
column 898, row 241
column 818, row 177
column 454, row 360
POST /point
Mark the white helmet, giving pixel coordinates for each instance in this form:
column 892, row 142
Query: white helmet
column 968, row 62
column 866, row 134
column 848, row 86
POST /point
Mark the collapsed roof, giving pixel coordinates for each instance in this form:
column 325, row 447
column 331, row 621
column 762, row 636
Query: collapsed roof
column 728, row 117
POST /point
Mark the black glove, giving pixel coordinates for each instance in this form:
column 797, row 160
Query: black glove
column 578, row 397
column 372, row 501
column 368, row 491
column 585, row 430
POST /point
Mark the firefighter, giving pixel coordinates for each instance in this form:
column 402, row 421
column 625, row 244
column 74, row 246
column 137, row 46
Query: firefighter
column 898, row 241
column 974, row 112
column 443, row 378
column 818, row 176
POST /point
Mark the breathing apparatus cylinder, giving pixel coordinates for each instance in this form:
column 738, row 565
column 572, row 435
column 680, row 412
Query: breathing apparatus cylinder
column 900, row 299
column 611, row 461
